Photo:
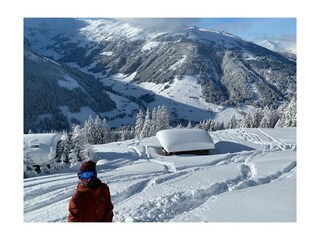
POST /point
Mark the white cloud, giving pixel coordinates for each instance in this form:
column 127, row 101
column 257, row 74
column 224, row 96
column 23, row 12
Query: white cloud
column 160, row 22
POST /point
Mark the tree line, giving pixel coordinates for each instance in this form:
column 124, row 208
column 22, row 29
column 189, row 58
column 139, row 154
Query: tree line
column 76, row 146
column 285, row 116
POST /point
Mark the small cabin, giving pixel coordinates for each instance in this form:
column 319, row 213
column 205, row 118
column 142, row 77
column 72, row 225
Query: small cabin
column 185, row 141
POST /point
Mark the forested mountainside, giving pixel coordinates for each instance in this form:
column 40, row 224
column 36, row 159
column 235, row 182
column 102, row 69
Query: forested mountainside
column 227, row 70
column 48, row 86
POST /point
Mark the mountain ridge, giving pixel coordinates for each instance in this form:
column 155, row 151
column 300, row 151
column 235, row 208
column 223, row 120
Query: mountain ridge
column 228, row 70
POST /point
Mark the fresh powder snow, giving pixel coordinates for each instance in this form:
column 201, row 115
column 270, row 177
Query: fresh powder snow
column 179, row 140
column 251, row 177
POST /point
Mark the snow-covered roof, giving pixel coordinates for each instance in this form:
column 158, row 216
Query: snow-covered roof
column 180, row 140
column 39, row 145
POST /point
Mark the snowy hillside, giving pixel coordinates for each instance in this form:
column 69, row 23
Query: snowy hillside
column 279, row 48
column 56, row 95
column 250, row 177
column 197, row 73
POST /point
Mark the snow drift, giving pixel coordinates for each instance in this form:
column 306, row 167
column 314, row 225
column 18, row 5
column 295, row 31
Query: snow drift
column 182, row 140
column 252, row 178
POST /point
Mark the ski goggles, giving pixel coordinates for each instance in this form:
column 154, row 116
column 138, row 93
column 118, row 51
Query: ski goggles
column 85, row 175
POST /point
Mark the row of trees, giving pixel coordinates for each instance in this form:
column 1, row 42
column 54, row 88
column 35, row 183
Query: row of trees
column 97, row 131
column 285, row 116
column 148, row 124
column 76, row 146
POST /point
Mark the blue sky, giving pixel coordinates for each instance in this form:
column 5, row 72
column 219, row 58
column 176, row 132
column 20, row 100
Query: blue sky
column 255, row 29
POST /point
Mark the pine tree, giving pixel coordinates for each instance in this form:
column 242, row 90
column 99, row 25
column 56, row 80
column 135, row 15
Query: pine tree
column 197, row 126
column 288, row 115
column 98, row 135
column 248, row 121
column 77, row 142
column 269, row 119
column 232, row 124
column 81, row 150
column 256, row 118
column 163, row 118
column 87, row 153
column 139, row 124
column 212, row 125
column 154, row 121
column 126, row 133
column 146, row 127
column 219, row 126
column 28, row 170
column 89, row 130
column 202, row 124
column 52, row 160
column 104, row 132
column 63, row 149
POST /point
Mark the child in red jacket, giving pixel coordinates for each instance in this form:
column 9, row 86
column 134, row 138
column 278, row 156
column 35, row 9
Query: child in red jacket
column 92, row 201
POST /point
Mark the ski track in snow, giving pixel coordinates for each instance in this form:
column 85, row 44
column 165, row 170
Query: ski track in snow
column 43, row 194
column 163, row 209
column 168, row 165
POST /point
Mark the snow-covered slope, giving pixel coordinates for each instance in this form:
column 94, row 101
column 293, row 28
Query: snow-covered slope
column 55, row 95
column 251, row 177
column 278, row 47
column 197, row 73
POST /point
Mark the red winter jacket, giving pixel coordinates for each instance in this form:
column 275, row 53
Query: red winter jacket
column 91, row 203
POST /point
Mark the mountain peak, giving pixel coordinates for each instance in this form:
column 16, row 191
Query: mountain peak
column 276, row 46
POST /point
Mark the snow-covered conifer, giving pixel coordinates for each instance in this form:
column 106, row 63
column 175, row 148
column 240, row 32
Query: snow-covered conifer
column 28, row 170
column 54, row 165
column 154, row 122
column 127, row 132
column 269, row 119
column 63, row 148
column 219, row 126
column 232, row 123
column 139, row 123
column 89, row 130
column 81, row 150
column 288, row 115
column 102, row 132
column 248, row 121
column 256, row 118
column 163, row 116
column 146, row 127
column 212, row 125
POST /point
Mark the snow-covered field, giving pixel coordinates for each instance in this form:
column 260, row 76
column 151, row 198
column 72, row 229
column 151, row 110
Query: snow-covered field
column 251, row 177
column 183, row 99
